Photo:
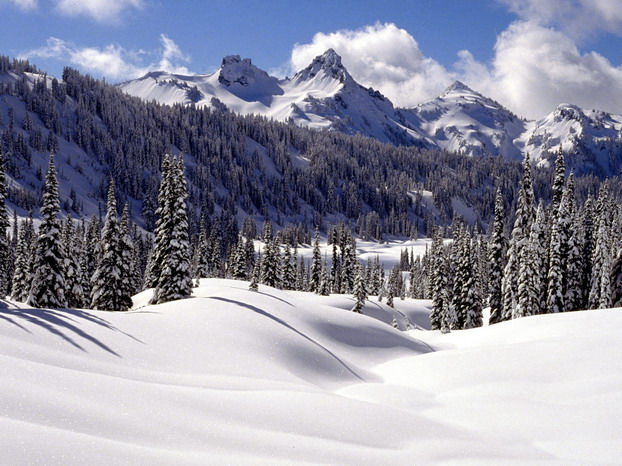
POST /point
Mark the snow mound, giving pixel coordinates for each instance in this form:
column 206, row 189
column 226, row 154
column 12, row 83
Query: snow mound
column 233, row 376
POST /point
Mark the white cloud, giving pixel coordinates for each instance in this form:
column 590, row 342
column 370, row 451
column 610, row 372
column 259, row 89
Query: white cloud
column 382, row 56
column 534, row 69
column 98, row 10
column 579, row 19
column 24, row 5
column 112, row 61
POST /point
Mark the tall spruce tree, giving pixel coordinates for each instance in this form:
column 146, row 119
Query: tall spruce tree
column 48, row 281
column 439, row 292
column 5, row 249
column 73, row 267
column 109, row 293
column 360, row 290
column 497, row 258
column 615, row 281
column 175, row 280
column 538, row 246
column 24, row 257
column 163, row 227
column 316, row 264
column 519, row 239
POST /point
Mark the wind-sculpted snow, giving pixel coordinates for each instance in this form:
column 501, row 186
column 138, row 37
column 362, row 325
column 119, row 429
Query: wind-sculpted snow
column 234, row 376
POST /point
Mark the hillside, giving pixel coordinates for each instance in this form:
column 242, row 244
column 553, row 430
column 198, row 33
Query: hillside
column 325, row 95
column 287, row 377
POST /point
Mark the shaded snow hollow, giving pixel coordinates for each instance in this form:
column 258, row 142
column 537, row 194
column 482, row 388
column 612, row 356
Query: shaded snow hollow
column 232, row 376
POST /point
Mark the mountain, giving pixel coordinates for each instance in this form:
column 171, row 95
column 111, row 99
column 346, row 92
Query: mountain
column 464, row 121
column 236, row 166
column 592, row 140
column 325, row 96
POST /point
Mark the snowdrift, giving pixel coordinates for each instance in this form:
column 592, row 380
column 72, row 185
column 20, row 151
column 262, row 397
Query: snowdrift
column 232, row 376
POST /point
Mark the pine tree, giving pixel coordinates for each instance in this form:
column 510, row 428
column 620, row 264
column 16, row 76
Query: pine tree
column 558, row 182
column 538, row 247
column 200, row 260
column 162, row 228
column 518, row 240
column 5, row 249
column 238, row 260
column 24, row 257
column 270, row 265
column 440, row 299
column 175, row 278
column 73, row 268
column 108, row 291
column 600, row 255
column 289, row 269
column 127, row 261
column 48, row 282
column 324, row 289
column 497, row 257
column 316, row 265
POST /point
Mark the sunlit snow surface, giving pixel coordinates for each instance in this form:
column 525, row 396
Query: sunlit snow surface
column 233, row 376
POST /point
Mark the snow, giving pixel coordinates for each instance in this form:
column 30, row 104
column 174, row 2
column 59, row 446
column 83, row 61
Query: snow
column 233, row 376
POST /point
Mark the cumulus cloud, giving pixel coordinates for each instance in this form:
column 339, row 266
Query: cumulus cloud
column 535, row 67
column 112, row 61
column 381, row 56
column 579, row 19
column 98, row 10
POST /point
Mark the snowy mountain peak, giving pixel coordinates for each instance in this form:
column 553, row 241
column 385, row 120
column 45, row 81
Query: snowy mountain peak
column 329, row 63
column 459, row 86
column 241, row 71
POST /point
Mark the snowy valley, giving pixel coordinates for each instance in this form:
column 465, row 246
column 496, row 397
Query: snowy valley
column 236, row 376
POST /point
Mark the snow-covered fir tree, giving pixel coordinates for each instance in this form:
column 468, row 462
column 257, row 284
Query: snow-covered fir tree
column 497, row 259
column 315, row 276
column 6, row 256
column 48, row 282
column 175, row 277
column 73, row 266
column 615, row 281
column 23, row 262
column 109, row 292
column 525, row 211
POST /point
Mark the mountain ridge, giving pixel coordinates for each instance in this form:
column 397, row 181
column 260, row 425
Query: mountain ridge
column 324, row 95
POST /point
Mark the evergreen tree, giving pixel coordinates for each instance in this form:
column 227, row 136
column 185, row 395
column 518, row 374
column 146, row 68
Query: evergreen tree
column 520, row 235
column 24, row 256
column 289, row 269
column 324, row 289
column 270, row 265
column 73, row 267
column 127, row 261
column 497, row 257
column 538, row 248
column 600, row 256
column 5, row 249
column 558, row 182
column 440, row 299
column 201, row 259
column 48, row 282
column 109, row 293
column 316, row 265
column 163, row 228
column 360, row 290
column 175, row 278
column 238, row 260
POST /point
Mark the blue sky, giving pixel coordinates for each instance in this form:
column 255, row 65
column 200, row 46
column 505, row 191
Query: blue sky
column 528, row 54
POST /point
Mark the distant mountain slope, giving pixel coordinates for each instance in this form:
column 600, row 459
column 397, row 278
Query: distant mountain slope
column 324, row 95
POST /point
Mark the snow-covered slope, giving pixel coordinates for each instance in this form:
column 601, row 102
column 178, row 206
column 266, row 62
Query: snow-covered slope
column 592, row 140
column 233, row 376
column 323, row 95
column 462, row 120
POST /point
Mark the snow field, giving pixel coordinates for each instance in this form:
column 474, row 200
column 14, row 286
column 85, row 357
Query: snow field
column 237, row 377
